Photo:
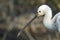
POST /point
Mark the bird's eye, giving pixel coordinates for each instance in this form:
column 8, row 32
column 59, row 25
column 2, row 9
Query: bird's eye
column 39, row 11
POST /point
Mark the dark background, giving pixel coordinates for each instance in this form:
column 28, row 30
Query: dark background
column 14, row 14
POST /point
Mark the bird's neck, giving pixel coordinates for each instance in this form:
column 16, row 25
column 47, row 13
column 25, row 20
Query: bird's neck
column 47, row 18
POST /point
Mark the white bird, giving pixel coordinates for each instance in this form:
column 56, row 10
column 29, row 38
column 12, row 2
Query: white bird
column 52, row 24
column 49, row 22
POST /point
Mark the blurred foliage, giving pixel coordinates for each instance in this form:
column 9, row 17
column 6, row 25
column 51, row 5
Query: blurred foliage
column 16, row 7
column 27, row 4
column 9, row 9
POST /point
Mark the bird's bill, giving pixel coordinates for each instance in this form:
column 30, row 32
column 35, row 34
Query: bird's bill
column 40, row 14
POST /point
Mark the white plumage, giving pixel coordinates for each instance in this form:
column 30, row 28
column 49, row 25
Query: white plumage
column 49, row 22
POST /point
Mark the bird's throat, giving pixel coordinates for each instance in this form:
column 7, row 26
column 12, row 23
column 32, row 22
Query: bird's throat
column 47, row 21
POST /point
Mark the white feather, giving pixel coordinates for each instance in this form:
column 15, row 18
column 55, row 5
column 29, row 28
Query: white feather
column 49, row 22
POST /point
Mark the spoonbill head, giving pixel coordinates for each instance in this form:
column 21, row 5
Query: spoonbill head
column 42, row 10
